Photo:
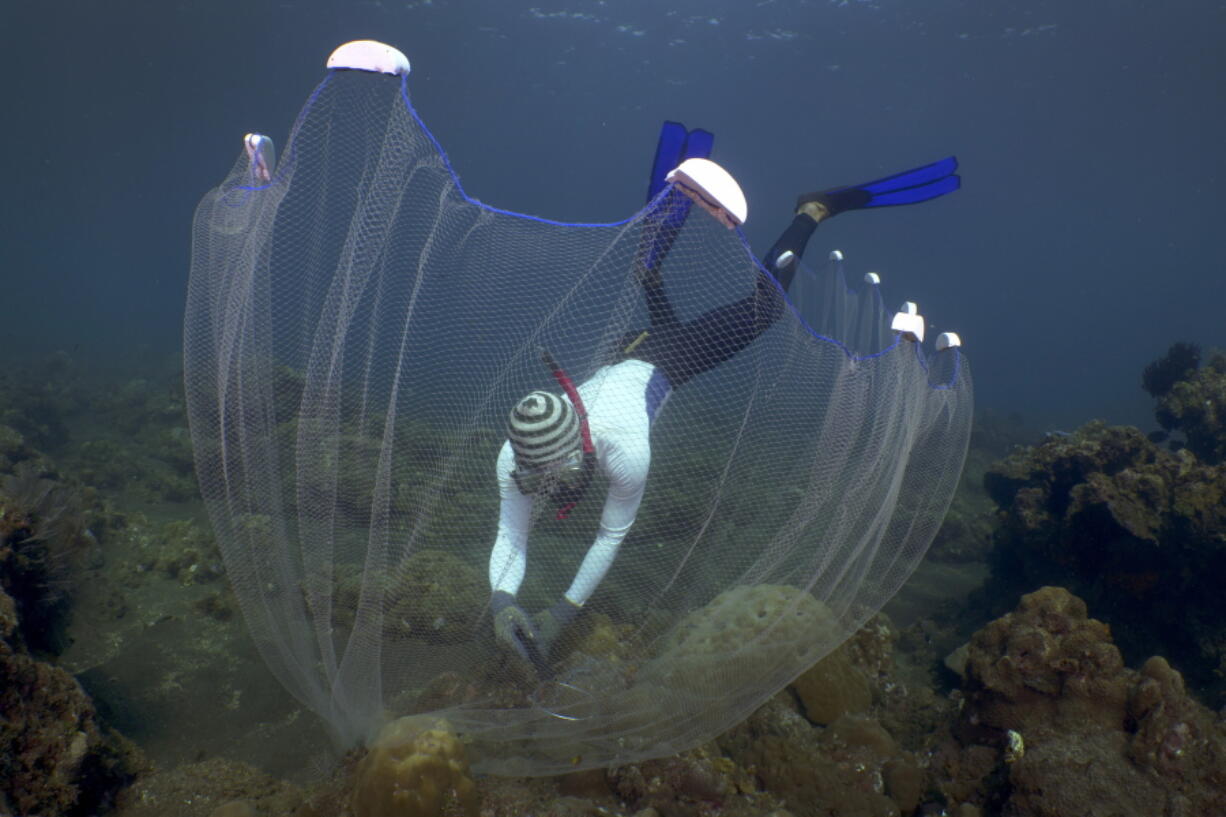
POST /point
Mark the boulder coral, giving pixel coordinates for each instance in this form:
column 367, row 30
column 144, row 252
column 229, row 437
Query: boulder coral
column 842, row 683
column 416, row 768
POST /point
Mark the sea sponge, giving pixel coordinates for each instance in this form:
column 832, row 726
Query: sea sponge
column 416, row 768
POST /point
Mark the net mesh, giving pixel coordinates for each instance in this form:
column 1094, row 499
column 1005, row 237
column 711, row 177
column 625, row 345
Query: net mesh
column 357, row 330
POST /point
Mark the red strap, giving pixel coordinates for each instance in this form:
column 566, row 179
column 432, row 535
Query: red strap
column 568, row 386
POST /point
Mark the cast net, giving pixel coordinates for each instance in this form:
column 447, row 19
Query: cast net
column 357, row 330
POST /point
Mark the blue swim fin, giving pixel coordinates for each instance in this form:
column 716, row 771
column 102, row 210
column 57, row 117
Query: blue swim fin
column 676, row 144
column 909, row 187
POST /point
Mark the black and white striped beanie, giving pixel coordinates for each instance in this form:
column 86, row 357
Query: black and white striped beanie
column 542, row 427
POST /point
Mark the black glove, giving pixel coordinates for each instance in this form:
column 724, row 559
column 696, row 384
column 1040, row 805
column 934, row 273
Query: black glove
column 512, row 627
column 550, row 623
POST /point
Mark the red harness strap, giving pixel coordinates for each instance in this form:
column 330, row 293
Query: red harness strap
column 568, row 386
column 585, row 432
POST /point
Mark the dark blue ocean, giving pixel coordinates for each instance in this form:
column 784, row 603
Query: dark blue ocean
column 1085, row 239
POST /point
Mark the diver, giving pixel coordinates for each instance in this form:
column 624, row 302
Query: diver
column 556, row 443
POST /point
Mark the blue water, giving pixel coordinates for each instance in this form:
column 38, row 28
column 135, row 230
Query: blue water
column 1083, row 242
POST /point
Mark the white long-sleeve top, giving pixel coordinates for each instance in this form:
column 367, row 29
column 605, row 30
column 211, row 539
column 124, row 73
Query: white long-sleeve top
column 621, row 401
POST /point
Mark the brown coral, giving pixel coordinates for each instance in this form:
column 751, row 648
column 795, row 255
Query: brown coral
column 1099, row 738
column 1044, row 668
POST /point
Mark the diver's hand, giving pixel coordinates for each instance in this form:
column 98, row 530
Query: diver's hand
column 512, row 627
column 550, row 623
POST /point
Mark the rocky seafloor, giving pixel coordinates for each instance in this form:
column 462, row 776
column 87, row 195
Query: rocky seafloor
column 1082, row 676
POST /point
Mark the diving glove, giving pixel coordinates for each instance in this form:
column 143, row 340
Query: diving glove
column 512, row 627
column 550, row 623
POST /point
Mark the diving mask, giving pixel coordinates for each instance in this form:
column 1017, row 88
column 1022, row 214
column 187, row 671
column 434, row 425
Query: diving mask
column 563, row 474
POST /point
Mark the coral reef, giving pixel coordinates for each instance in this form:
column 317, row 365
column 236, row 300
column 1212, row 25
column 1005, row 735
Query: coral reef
column 1138, row 531
column 1052, row 723
column 129, row 438
column 1050, row 719
column 1194, row 403
column 56, row 759
column 1161, row 375
column 1044, row 669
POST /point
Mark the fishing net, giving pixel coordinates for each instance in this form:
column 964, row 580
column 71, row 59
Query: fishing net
column 357, row 330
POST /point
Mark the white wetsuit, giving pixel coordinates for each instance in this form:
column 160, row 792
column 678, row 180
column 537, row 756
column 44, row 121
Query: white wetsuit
column 621, row 401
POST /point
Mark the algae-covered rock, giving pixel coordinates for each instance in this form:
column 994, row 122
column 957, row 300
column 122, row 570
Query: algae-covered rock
column 13, row 448
column 211, row 788
column 688, row 784
column 56, row 758
column 1174, row 735
column 416, row 768
column 43, row 545
column 854, row 768
column 842, row 742
column 1180, row 361
column 433, row 596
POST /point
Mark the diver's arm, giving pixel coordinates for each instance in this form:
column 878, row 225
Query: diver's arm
column 626, row 463
column 509, row 556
